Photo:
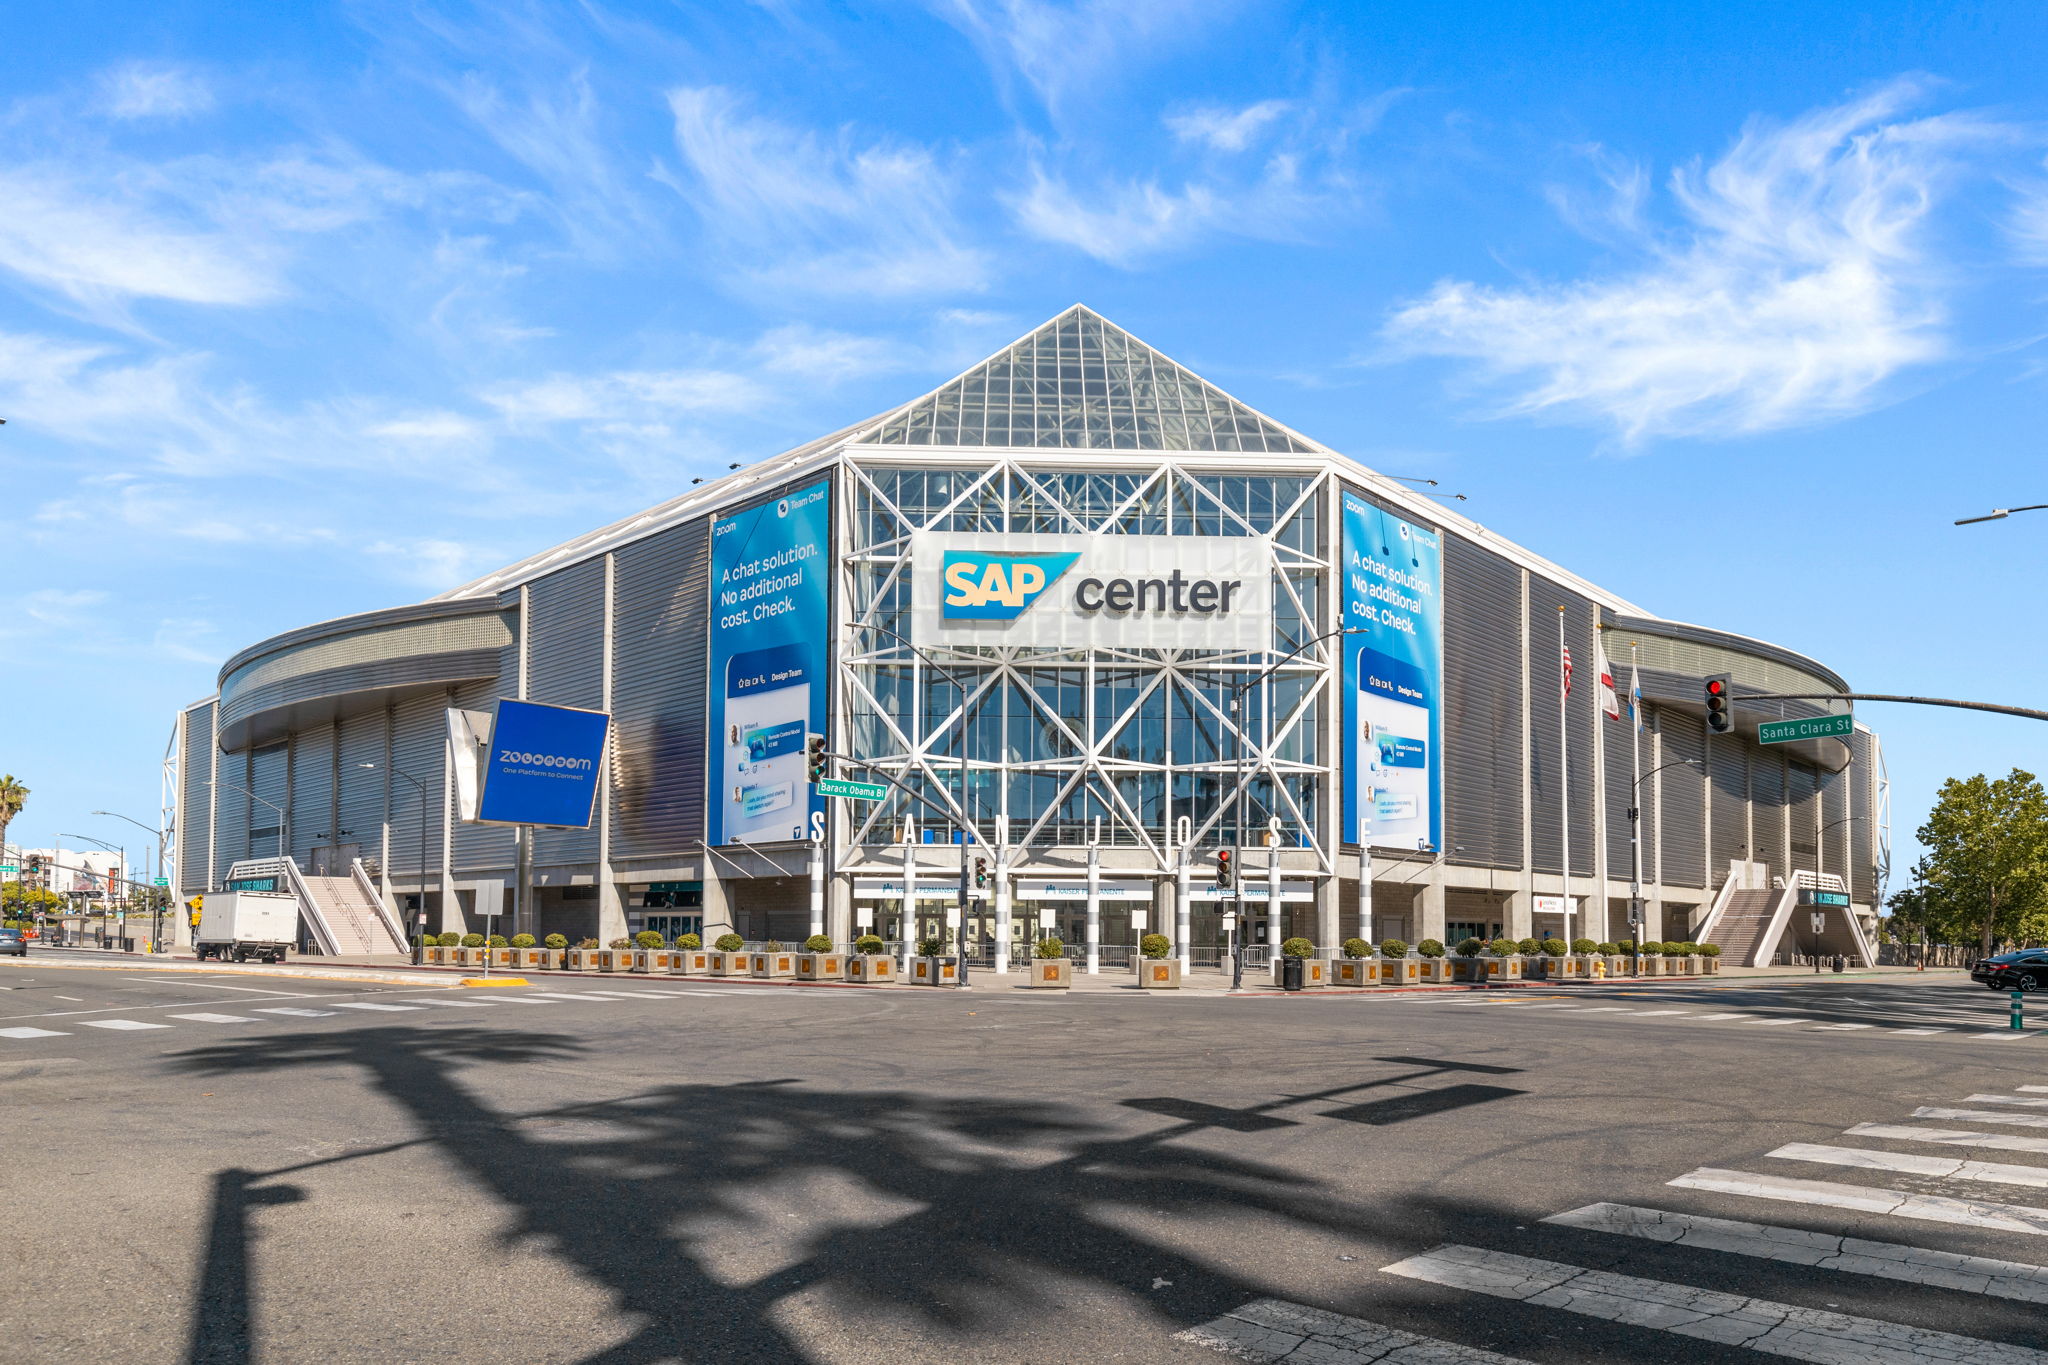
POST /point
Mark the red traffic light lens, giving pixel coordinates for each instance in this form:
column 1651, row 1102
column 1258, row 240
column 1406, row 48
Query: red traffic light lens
column 1716, row 688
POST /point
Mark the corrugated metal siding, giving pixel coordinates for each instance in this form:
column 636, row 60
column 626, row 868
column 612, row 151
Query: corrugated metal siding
column 1730, row 771
column 195, row 814
column 660, row 639
column 1862, row 802
column 362, row 789
column 1682, row 823
column 565, row 666
column 479, row 847
column 269, row 779
column 419, row 741
column 1546, row 680
column 1839, row 837
column 1619, row 768
column 231, row 811
column 312, row 791
column 1802, row 794
column 1482, row 707
column 1767, row 801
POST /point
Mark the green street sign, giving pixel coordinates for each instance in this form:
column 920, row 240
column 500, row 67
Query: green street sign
column 1819, row 727
column 163, row 881
column 852, row 791
column 9, row 870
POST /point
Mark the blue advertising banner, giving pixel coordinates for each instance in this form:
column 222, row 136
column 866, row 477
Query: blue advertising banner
column 770, row 674
column 543, row 765
column 1393, row 680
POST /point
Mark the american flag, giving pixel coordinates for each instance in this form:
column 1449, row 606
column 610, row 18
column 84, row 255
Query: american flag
column 1567, row 670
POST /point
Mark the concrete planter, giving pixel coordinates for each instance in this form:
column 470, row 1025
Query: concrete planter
column 1689, row 965
column 1570, row 967
column 1159, row 974
column 1049, row 974
column 438, row 956
column 729, row 964
column 529, row 957
column 871, row 967
column 582, row 959
column 1468, row 968
column 1618, row 964
column 470, row 957
column 1315, row 971
column 1508, row 968
column 1355, row 971
column 501, row 957
column 935, row 971
column 691, row 962
column 653, row 960
column 1401, row 971
column 776, row 964
column 1671, row 966
column 1436, row 971
column 821, row 966
column 1710, row 966
column 1537, row 967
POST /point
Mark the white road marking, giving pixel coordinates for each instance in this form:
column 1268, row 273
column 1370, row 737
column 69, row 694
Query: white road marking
column 289, row 1009
column 1779, row 1329
column 2035, row 1089
column 527, row 999
column 74, row 999
column 1919, row 1030
column 2006, row 1037
column 1773, row 1023
column 1949, row 1137
column 32, row 1033
column 1649, row 1012
column 1610, row 1009
column 366, row 1005
column 1913, row 1163
column 1978, row 1213
column 119, row 1024
column 1854, row 1255
column 1704, row 1017
column 1982, row 1116
column 1843, row 1026
column 570, row 995
column 1272, row 1329
column 212, row 985
column 219, row 1018
column 462, row 1004
column 2005, row 1099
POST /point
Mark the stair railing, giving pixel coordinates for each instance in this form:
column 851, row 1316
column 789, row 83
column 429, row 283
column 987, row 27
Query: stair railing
column 361, row 876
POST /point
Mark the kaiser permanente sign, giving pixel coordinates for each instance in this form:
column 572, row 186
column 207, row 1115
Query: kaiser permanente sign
column 1079, row 591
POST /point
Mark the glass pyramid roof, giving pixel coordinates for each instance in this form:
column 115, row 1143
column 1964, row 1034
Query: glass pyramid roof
column 1081, row 382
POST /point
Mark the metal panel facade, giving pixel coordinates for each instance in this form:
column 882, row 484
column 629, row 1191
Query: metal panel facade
column 479, row 848
column 231, row 815
column 1619, row 774
column 1682, row 822
column 1730, row 772
column 1767, row 801
column 312, row 772
column 660, row 638
column 1482, row 707
column 1546, row 681
column 362, row 789
column 195, row 798
column 1863, row 805
column 269, row 788
column 419, row 740
column 565, row 667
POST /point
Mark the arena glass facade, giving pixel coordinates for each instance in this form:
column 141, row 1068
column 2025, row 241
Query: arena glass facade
column 1096, row 771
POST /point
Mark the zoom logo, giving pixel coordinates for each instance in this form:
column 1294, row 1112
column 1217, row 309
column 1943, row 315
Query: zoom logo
column 997, row 587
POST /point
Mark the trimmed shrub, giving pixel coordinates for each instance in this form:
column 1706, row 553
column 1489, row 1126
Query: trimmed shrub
column 817, row 943
column 867, row 945
column 1504, row 947
column 1554, row 947
column 1469, row 947
column 1357, row 947
column 1528, row 947
column 585, row 944
column 1710, row 950
column 647, row 938
column 451, row 939
column 499, row 941
column 930, row 947
column 1297, row 947
column 556, row 942
column 1049, row 947
column 689, row 941
column 1653, row 949
column 728, row 943
column 1625, row 947
column 522, row 940
column 1604, row 948
column 472, row 940
column 1394, row 947
column 773, row 945
column 1430, row 947
column 1586, row 945
column 1155, row 946
column 620, row 943
column 424, row 940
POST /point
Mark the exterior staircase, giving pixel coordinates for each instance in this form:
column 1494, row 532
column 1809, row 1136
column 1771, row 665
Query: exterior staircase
column 345, row 914
column 1742, row 925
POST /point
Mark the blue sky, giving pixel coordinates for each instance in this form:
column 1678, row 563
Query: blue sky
column 310, row 309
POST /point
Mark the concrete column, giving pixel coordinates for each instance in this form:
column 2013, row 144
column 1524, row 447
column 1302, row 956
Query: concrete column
column 1094, row 909
column 1275, row 909
column 817, row 886
column 908, row 921
column 1183, row 915
column 1518, row 916
column 1002, row 892
column 1329, row 932
column 1428, row 912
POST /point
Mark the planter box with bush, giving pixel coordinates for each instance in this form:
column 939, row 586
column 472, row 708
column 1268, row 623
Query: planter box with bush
column 817, row 962
column 1315, row 971
column 773, row 962
column 1358, row 967
column 1397, row 968
column 1434, row 967
column 1710, row 959
column 1049, row 968
column 868, row 962
column 1157, row 970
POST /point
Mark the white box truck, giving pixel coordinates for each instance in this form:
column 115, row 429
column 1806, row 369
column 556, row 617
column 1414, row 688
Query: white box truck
column 245, row 924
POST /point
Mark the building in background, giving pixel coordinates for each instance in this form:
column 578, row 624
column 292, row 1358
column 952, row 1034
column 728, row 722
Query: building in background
column 1092, row 621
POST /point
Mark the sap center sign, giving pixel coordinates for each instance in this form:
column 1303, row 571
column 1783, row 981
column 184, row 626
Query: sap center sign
column 1093, row 591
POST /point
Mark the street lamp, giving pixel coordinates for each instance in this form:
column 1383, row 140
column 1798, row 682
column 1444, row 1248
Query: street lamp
column 284, row 819
column 156, row 932
column 1635, row 856
column 419, row 923
column 122, row 853
column 1237, row 692
column 2000, row 513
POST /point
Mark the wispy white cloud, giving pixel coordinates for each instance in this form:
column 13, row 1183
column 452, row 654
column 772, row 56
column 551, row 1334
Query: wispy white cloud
column 146, row 90
column 1068, row 51
column 625, row 395
column 1225, row 129
column 830, row 215
column 1803, row 277
column 62, row 607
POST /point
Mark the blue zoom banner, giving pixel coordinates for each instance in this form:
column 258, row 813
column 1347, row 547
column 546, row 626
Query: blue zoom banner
column 770, row 628
column 543, row 766
column 1393, row 680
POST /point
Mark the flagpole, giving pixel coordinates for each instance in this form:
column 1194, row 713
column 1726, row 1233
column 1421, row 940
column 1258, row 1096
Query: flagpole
column 1635, row 797
column 1564, row 769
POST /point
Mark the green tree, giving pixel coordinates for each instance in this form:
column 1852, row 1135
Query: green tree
column 20, row 901
column 13, row 796
column 1986, row 870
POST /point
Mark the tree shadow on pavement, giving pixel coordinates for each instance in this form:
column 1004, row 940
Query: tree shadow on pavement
column 950, row 1213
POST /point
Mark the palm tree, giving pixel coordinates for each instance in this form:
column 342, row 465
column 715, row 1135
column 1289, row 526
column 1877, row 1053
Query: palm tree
column 13, row 796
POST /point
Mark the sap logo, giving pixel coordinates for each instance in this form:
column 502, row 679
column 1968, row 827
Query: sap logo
column 997, row 587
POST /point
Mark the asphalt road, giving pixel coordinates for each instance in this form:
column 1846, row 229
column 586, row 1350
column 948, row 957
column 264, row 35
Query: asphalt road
column 228, row 1167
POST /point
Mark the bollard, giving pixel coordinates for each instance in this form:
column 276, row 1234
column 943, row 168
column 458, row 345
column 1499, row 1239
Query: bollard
column 2018, row 1010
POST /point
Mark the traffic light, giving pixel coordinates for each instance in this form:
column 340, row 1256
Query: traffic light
column 1719, row 719
column 1223, row 869
column 35, row 864
column 815, row 752
column 981, row 873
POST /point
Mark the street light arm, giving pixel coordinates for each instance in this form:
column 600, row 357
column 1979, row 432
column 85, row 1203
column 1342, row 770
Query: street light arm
column 1675, row 763
column 2001, row 513
column 151, row 829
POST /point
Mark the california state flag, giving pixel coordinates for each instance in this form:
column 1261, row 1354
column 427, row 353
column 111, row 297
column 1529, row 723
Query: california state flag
column 1609, row 703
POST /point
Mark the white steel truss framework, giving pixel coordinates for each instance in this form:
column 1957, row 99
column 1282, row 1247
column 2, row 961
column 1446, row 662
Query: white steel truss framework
column 1044, row 747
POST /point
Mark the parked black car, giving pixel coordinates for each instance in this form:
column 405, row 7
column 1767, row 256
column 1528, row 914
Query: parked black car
column 11, row 941
column 2024, row 970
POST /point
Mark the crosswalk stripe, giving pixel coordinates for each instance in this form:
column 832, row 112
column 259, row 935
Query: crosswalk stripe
column 123, row 1024
column 293, row 1009
column 1650, row 1012
column 2006, row 1037
column 32, row 1033
column 529, row 999
column 1981, row 1116
column 2020, row 1100
column 1772, row 1023
column 1914, row 1163
column 1780, row 1329
column 2031, row 1088
column 218, row 1018
column 570, row 995
column 1272, row 1329
column 1853, row 1255
column 1920, row 1030
column 366, row 1005
column 1844, row 1026
column 1948, row 1137
column 1931, row 1208
column 462, row 1004
column 629, row 995
column 1704, row 1017
column 1610, row 1009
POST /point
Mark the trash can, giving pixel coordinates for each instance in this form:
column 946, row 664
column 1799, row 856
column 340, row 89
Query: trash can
column 1290, row 973
column 1841, row 963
